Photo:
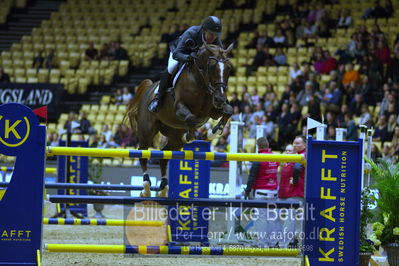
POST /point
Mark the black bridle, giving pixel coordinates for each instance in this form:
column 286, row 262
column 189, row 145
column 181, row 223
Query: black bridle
column 204, row 73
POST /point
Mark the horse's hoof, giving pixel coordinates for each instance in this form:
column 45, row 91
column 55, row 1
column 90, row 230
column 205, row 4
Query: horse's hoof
column 210, row 135
column 146, row 192
column 164, row 192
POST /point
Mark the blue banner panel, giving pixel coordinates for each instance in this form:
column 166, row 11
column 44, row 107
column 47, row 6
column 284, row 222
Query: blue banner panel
column 189, row 179
column 333, row 188
column 33, row 95
column 21, row 208
column 79, row 173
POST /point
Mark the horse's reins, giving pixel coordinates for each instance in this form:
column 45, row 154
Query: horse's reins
column 207, row 84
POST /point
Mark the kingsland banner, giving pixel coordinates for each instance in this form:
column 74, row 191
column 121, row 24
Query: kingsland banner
column 32, row 95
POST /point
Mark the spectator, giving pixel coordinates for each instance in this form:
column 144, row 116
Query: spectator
column 270, row 99
column 310, row 31
column 381, row 131
column 319, row 63
column 93, row 141
column 366, row 90
column 120, row 52
column 382, row 52
column 52, row 140
column 330, row 63
column 303, row 96
column 350, row 75
column 247, row 116
column 118, row 97
column 259, row 60
column 395, row 140
column 234, row 101
column 246, row 100
column 124, row 136
column 221, row 146
column 85, row 125
column 375, row 152
column 295, row 115
column 259, row 112
column 106, row 132
column 279, row 39
column 264, row 40
column 341, row 116
column 313, row 108
column 255, row 98
column 395, row 67
column 126, row 96
column 387, row 153
column 331, row 133
column 345, row 21
column 254, row 42
column 280, row 58
column 269, row 127
column 91, row 53
column 284, row 123
column 104, row 52
column 351, row 133
column 295, row 71
column 112, row 51
column 263, row 180
column 391, row 126
column 4, row 77
column 68, row 123
column 38, row 60
column 356, row 104
column 377, row 11
column 236, row 114
column 49, row 61
column 365, row 117
column 285, row 192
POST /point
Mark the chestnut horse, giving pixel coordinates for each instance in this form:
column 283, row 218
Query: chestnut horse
column 199, row 94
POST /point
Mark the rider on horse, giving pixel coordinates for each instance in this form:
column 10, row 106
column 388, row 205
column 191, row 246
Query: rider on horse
column 185, row 51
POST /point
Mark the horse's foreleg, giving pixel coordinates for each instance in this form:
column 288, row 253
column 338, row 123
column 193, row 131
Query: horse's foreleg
column 174, row 144
column 226, row 113
column 164, row 186
column 184, row 114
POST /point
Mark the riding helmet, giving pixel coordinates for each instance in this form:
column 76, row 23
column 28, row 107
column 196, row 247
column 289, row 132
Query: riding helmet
column 212, row 24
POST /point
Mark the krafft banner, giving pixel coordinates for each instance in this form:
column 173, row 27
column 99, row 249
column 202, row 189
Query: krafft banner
column 79, row 173
column 333, row 189
column 32, row 95
column 189, row 179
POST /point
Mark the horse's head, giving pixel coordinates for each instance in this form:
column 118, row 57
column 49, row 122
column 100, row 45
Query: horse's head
column 215, row 65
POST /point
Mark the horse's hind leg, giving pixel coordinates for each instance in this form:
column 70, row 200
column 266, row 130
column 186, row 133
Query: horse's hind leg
column 174, row 143
column 145, row 141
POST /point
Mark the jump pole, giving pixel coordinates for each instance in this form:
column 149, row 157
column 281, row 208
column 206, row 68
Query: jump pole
column 172, row 201
column 100, row 222
column 48, row 170
column 175, row 250
column 181, row 155
column 88, row 186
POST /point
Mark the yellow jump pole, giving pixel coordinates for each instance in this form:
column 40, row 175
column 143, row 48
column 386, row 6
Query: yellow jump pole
column 48, row 170
column 100, row 222
column 176, row 250
column 187, row 155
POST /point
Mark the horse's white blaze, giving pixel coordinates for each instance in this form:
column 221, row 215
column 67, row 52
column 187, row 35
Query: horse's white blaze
column 221, row 68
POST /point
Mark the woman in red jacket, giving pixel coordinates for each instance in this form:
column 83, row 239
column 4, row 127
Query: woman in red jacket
column 292, row 186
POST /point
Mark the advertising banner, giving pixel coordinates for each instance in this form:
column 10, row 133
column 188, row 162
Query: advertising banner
column 189, row 179
column 33, row 95
column 79, row 172
column 333, row 189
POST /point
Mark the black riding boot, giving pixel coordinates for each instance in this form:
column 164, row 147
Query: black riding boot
column 163, row 86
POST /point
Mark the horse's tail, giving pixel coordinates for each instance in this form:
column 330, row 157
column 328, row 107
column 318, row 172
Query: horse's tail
column 134, row 104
